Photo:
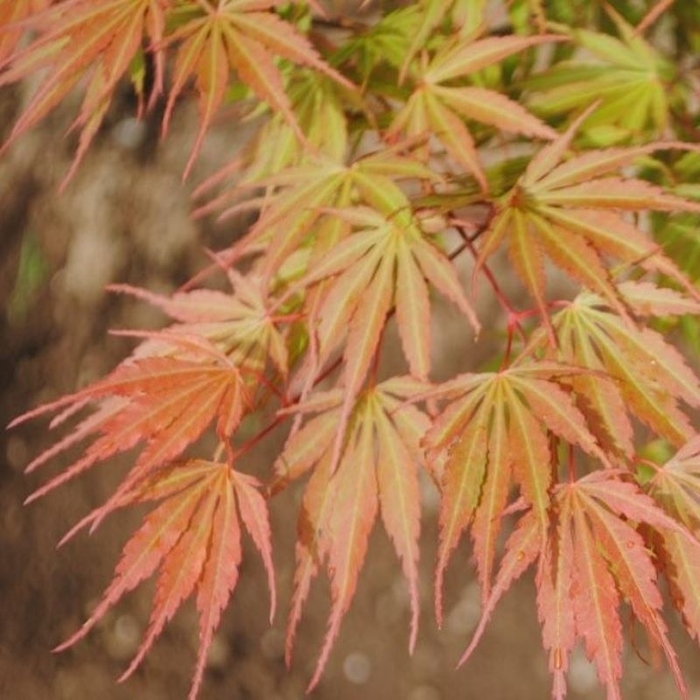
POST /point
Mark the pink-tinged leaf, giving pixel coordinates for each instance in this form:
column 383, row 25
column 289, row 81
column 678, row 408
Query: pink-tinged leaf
column 637, row 372
column 647, row 401
column 530, row 456
column 460, row 492
column 161, row 483
column 151, row 400
column 547, row 158
column 179, row 573
column 492, row 108
column 612, row 234
column 595, row 602
column 676, row 484
column 282, row 39
column 681, row 555
column 649, row 300
column 452, row 132
column 399, row 497
column 598, row 397
column 590, row 165
column 312, row 543
column 615, row 193
column 528, row 260
column 193, row 539
column 306, row 446
column 556, row 614
column 491, row 240
column 212, row 70
column 464, row 58
column 628, row 500
column 353, row 515
column 579, row 259
column 143, row 554
column 253, row 510
column 446, row 429
column 364, row 334
column 557, row 411
column 652, row 355
column 625, row 550
column 84, row 38
column 494, row 491
column 340, row 257
column 341, row 302
column 12, row 16
column 219, row 576
column 257, row 69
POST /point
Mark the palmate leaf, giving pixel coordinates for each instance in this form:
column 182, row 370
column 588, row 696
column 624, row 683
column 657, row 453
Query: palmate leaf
column 100, row 40
column 298, row 197
column 240, row 325
column 387, row 264
column 628, row 76
column 437, row 106
column 591, row 557
column 376, row 472
column 165, row 402
column 494, row 434
column 193, row 540
column 243, row 36
column 383, row 256
column 649, row 376
column 574, row 213
column 96, row 39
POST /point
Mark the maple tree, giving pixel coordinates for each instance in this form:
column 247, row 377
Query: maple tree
column 552, row 144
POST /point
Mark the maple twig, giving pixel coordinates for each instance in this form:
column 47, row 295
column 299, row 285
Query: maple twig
column 512, row 315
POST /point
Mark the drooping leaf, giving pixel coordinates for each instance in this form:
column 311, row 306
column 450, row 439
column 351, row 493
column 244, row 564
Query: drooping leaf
column 437, row 106
column 164, row 402
column 568, row 211
column 243, row 37
column 649, row 375
column 193, row 540
column 376, row 472
column 495, row 433
column 591, row 557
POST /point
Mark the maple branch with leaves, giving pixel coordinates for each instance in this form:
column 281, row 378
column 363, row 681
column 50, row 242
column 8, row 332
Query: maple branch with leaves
column 371, row 150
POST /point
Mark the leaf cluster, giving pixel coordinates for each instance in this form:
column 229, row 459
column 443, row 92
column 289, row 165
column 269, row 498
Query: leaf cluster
column 550, row 146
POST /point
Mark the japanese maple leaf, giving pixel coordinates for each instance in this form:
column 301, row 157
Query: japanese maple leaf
column 244, row 36
column 386, row 264
column 649, row 376
column 492, row 434
column 193, row 540
column 440, row 101
column 93, row 39
column 164, row 402
column 240, row 325
column 573, row 213
column 376, row 472
column 297, row 197
column 591, row 557
column 628, row 75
